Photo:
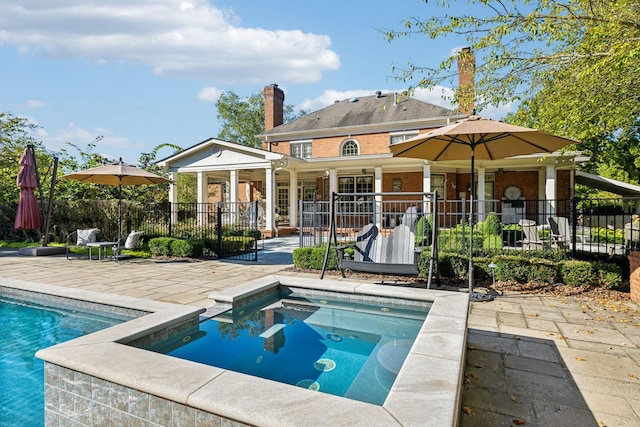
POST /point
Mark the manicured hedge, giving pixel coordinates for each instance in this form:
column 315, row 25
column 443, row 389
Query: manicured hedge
column 514, row 268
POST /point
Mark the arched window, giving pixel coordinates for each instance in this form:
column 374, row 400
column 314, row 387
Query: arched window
column 350, row 148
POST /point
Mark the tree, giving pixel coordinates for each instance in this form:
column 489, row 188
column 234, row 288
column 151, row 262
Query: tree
column 575, row 62
column 243, row 118
column 15, row 136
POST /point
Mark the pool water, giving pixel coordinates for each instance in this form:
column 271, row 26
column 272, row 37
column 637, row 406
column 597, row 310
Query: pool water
column 26, row 328
column 346, row 349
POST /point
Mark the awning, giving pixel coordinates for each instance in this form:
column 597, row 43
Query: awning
column 607, row 184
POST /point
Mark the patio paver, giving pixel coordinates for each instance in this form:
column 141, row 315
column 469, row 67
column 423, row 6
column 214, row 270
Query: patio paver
column 539, row 359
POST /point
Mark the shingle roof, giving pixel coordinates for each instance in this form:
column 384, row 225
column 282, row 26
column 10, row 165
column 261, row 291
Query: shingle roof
column 362, row 111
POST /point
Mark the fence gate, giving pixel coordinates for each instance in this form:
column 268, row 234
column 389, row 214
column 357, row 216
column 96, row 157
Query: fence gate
column 237, row 230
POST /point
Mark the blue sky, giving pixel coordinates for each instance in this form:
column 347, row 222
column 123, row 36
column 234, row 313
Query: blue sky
column 144, row 72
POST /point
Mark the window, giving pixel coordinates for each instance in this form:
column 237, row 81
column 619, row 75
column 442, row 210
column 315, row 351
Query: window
column 301, row 150
column 282, row 191
column 356, row 184
column 397, row 137
column 437, row 184
column 350, row 148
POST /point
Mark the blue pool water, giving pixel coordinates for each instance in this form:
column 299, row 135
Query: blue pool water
column 26, row 328
column 346, row 349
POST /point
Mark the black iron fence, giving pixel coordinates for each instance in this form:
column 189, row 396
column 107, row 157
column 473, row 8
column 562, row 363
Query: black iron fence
column 229, row 230
column 608, row 226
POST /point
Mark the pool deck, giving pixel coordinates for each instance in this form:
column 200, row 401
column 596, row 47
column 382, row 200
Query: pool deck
column 538, row 360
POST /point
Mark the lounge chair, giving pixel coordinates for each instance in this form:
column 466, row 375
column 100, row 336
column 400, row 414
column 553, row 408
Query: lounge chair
column 532, row 241
column 129, row 243
column 80, row 238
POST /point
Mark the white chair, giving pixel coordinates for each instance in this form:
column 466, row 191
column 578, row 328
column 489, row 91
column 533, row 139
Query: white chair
column 130, row 243
column 532, row 240
column 80, row 238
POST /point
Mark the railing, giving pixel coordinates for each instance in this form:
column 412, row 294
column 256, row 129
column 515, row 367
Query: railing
column 608, row 226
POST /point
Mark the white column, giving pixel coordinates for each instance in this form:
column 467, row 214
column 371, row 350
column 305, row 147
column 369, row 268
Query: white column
column 481, row 194
column 377, row 188
column 550, row 188
column 173, row 197
column 426, row 183
column 233, row 185
column 233, row 195
column 333, row 181
column 270, row 199
column 293, row 198
column 202, row 198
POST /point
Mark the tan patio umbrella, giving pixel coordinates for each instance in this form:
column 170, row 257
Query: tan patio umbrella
column 118, row 173
column 478, row 137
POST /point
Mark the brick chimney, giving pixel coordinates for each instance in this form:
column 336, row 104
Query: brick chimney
column 466, row 74
column 273, row 106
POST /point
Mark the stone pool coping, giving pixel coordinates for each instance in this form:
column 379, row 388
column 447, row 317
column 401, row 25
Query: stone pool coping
column 426, row 391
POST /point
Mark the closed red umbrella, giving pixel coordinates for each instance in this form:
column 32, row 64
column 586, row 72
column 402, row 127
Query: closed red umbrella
column 28, row 214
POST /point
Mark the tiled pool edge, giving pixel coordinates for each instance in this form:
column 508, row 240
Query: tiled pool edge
column 426, row 392
column 428, row 388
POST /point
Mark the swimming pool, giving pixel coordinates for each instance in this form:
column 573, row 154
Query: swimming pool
column 101, row 379
column 345, row 348
column 27, row 327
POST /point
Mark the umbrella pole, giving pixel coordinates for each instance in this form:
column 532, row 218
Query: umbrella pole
column 471, row 222
column 120, row 212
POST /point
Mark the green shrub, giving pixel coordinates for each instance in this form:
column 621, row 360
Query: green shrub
column 608, row 274
column 512, row 268
column 181, row 248
column 492, row 225
column 317, row 257
column 577, row 273
column 302, row 257
column 542, row 271
column 605, row 235
column 197, row 248
column 453, row 265
column 230, row 231
column 253, row 233
column 231, row 244
column 160, row 246
column 492, row 243
column 424, row 231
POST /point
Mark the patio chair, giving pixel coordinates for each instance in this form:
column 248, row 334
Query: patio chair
column 80, row 238
column 411, row 217
column 560, row 234
column 632, row 235
column 532, row 240
column 129, row 243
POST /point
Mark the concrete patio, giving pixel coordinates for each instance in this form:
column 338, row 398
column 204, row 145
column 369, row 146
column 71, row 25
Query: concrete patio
column 538, row 360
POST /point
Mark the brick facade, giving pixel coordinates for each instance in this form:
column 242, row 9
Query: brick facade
column 634, row 278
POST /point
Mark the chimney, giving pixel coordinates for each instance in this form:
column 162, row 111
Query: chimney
column 273, row 106
column 466, row 74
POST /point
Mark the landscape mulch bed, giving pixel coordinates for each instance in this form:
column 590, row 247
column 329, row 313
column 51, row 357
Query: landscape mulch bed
column 500, row 288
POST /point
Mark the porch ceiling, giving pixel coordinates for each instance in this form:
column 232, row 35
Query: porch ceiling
column 607, row 184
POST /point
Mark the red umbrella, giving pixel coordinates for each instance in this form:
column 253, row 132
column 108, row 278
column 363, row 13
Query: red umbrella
column 28, row 214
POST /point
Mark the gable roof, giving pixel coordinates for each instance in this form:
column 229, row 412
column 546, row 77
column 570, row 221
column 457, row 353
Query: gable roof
column 390, row 110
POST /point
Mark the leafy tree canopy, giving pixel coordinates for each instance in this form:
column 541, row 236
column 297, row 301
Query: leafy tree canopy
column 243, row 118
column 582, row 56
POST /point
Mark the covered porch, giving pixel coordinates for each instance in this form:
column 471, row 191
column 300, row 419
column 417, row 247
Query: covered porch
column 230, row 172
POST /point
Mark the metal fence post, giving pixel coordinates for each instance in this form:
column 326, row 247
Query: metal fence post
column 219, row 229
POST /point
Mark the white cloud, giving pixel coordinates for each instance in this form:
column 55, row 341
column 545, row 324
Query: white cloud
column 210, row 94
column 189, row 39
column 106, row 141
column 32, row 103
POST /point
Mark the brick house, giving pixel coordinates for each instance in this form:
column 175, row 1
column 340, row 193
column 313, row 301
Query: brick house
column 345, row 148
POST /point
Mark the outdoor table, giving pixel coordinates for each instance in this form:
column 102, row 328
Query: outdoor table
column 102, row 248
